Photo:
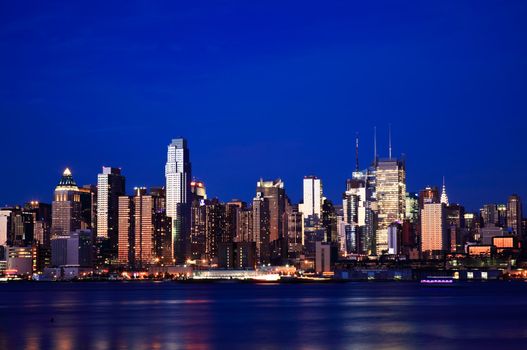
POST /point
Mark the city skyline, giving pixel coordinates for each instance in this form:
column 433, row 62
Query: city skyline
column 257, row 88
column 300, row 182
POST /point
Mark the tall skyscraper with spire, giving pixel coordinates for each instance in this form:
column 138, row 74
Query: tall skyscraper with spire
column 178, row 174
column 390, row 193
column 66, row 206
column 444, row 197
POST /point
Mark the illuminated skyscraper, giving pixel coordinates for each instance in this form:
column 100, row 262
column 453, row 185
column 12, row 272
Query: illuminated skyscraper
column 313, row 198
column 178, row 176
column 274, row 193
column 514, row 214
column 261, row 228
column 143, row 228
column 110, row 185
column 434, row 238
column 391, row 198
column 66, row 206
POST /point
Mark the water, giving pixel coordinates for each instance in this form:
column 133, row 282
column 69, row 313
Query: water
column 99, row 315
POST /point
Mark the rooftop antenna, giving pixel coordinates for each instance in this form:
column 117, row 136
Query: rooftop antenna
column 390, row 141
column 375, row 146
column 357, row 151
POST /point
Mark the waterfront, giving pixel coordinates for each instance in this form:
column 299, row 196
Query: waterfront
column 147, row 315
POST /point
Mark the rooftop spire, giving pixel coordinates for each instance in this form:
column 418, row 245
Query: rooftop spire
column 390, row 141
column 66, row 181
column 374, row 146
column 357, row 152
column 444, row 197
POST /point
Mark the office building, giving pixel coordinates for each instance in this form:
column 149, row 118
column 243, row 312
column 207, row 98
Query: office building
column 390, row 199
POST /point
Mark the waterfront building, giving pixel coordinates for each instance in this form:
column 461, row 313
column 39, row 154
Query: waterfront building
column 73, row 249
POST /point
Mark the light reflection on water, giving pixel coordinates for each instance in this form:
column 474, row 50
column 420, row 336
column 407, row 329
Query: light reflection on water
column 175, row 316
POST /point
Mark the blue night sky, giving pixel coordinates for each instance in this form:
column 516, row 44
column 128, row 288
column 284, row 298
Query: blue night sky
column 264, row 89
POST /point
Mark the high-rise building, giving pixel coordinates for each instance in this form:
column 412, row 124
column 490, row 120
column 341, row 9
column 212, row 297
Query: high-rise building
column 390, row 198
column 66, row 207
column 489, row 214
column 178, row 174
column 274, row 193
column 412, row 207
column 73, row 249
column 434, row 238
column 126, row 230
column 244, row 225
column 214, row 227
column 295, row 232
column 88, row 207
column 313, row 198
column 232, row 215
column 514, row 214
column 329, row 221
column 261, row 228
column 110, row 185
column 42, row 221
column 143, row 229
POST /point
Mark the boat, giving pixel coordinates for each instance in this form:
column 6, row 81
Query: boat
column 437, row 281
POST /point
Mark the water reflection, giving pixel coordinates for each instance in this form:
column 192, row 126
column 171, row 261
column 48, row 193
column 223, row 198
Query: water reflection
column 175, row 316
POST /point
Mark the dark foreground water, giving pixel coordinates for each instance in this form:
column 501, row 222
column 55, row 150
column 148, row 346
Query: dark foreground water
column 272, row 316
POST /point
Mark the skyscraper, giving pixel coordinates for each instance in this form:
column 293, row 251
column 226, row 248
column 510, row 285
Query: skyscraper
column 66, row 206
column 110, row 185
column 143, row 228
column 391, row 198
column 434, row 238
column 178, row 174
column 313, row 198
column 514, row 214
column 274, row 193
column 261, row 228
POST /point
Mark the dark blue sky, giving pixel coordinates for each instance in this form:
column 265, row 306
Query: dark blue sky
column 269, row 89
